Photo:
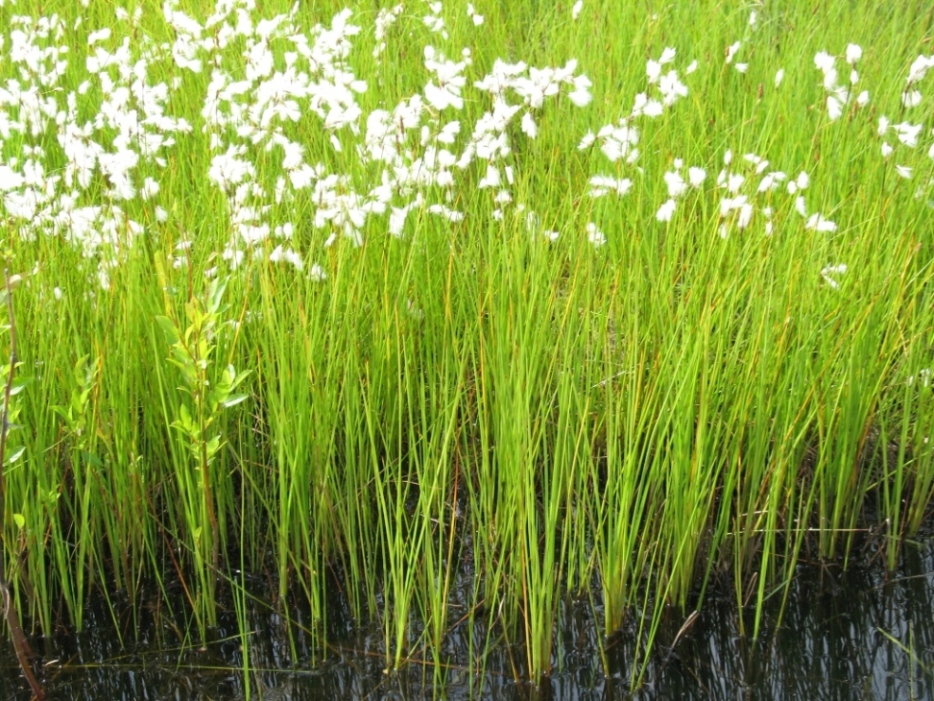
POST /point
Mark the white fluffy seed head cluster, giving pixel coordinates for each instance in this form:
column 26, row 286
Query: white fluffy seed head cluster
column 265, row 74
column 282, row 122
column 839, row 95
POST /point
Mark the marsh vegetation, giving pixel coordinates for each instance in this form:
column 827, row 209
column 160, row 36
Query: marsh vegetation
column 620, row 304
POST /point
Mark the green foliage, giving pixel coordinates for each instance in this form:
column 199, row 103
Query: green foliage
column 566, row 394
column 197, row 420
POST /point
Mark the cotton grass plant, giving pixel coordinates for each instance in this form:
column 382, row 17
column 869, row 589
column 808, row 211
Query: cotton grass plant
column 576, row 301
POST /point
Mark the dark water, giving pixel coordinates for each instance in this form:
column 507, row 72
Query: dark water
column 845, row 635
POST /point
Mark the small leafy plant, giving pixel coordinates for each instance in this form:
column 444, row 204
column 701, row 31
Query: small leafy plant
column 11, row 614
column 208, row 393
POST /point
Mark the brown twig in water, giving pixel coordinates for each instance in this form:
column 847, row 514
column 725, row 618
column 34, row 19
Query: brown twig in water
column 20, row 643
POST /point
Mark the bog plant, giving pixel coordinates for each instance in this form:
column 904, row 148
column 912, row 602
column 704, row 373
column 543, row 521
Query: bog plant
column 554, row 301
column 11, row 617
column 207, row 393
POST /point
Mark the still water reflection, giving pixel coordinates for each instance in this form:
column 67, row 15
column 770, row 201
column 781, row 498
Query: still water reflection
column 844, row 635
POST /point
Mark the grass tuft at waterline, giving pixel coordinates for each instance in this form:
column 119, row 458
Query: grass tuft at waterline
column 585, row 297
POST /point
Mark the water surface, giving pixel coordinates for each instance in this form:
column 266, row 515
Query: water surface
column 854, row 634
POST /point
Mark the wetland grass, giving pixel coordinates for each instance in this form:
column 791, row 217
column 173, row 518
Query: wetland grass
column 362, row 300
